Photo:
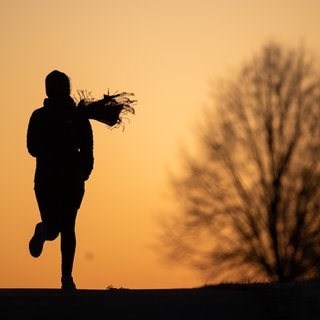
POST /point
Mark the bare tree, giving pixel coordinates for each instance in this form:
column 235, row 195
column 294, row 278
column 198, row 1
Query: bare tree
column 250, row 197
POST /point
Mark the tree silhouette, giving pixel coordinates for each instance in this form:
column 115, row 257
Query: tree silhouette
column 250, row 197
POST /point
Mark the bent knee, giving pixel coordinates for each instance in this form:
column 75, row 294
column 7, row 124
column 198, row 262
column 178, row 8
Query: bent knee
column 52, row 235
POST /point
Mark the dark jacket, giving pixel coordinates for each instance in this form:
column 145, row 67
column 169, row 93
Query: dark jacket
column 60, row 138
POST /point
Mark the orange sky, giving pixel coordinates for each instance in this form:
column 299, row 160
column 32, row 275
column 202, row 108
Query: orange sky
column 166, row 52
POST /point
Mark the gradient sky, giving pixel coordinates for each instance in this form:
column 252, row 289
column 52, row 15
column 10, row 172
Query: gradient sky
column 166, row 52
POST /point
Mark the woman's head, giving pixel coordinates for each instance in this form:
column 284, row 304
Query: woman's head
column 57, row 84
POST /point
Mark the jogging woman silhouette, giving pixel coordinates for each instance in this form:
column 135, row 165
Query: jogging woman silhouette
column 60, row 138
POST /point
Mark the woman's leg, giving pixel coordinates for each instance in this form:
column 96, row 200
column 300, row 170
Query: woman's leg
column 68, row 235
column 48, row 229
column 68, row 244
column 46, row 196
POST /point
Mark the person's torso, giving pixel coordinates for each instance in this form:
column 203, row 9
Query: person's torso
column 59, row 144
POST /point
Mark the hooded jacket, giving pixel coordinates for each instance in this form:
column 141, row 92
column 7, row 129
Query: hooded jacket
column 61, row 140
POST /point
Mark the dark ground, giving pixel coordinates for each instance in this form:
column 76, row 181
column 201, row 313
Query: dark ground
column 225, row 301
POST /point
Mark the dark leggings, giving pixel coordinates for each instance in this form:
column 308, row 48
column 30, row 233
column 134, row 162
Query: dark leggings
column 58, row 205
